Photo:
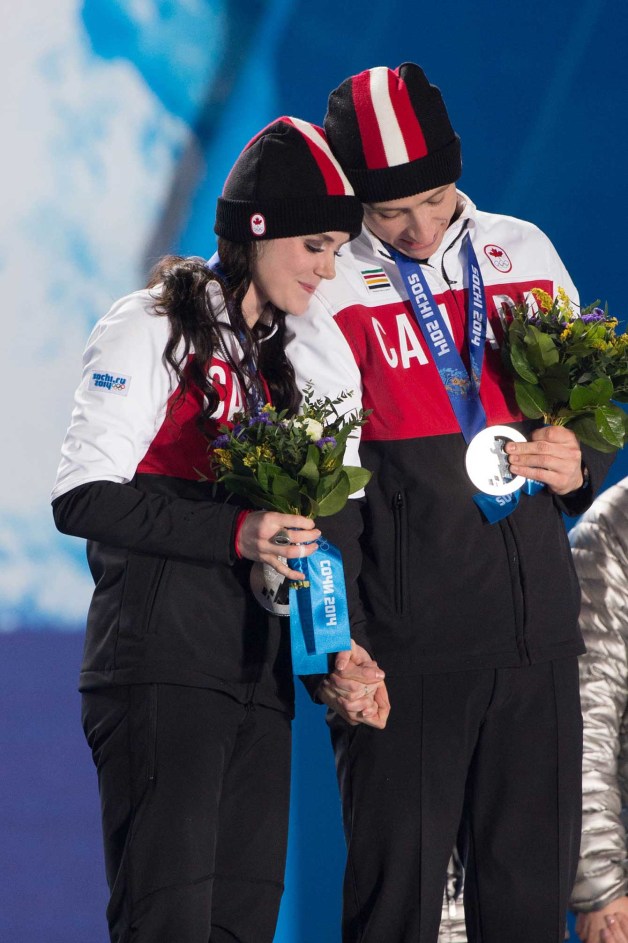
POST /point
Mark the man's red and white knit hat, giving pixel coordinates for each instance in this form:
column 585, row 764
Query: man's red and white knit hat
column 286, row 182
column 391, row 133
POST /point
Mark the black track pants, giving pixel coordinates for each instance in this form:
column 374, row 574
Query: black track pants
column 490, row 756
column 194, row 792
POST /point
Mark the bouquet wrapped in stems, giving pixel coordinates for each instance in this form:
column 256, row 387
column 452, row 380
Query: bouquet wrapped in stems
column 291, row 464
column 569, row 365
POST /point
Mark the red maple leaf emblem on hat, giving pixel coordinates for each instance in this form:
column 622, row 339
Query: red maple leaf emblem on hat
column 495, row 252
column 258, row 224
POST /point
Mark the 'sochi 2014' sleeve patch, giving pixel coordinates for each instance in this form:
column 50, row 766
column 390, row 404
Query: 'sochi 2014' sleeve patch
column 110, row 383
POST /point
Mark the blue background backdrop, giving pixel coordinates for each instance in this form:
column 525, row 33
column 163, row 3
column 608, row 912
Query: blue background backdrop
column 121, row 120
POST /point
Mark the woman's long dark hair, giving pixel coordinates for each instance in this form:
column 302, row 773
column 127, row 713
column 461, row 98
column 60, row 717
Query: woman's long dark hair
column 194, row 327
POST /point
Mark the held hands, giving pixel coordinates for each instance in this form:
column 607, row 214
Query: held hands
column 616, row 929
column 552, row 456
column 608, row 925
column 255, row 539
column 355, row 689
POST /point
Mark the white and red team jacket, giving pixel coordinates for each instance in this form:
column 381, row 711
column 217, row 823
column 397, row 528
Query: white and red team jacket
column 171, row 601
column 442, row 588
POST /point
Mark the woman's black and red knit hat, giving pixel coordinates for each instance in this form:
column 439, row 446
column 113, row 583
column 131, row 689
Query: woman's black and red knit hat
column 286, row 182
column 390, row 131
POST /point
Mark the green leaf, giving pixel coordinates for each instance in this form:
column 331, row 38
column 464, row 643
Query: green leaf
column 341, row 437
column 516, row 331
column 578, row 328
column 308, row 505
column 587, row 432
column 310, row 467
column 597, row 393
column 285, row 487
column 266, row 471
column 555, row 389
column 327, row 483
column 611, row 425
column 531, row 400
column 248, row 488
column 541, row 349
column 336, row 499
column 358, row 477
column 521, row 364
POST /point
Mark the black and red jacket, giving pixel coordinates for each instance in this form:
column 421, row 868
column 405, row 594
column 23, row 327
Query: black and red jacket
column 171, row 602
column 442, row 588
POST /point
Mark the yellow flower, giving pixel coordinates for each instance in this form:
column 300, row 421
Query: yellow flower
column 261, row 453
column 543, row 300
column 566, row 333
column 564, row 303
column 223, row 457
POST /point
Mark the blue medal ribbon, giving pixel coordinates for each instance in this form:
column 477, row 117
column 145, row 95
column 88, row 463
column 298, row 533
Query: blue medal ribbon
column 461, row 385
column 319, row 614
column 495, row 507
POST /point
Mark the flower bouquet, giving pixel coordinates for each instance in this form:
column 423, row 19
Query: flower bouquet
column 569, row 366
column 295, row 465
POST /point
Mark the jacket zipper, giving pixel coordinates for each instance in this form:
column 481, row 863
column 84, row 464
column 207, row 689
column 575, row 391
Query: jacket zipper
column 445, row 276
column 520, row 611
column 152, row 733
column 398, row 506
column 450, row 246
column 153, row 596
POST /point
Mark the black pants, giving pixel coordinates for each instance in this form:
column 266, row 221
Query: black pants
column 492, row 757
column 194, row 792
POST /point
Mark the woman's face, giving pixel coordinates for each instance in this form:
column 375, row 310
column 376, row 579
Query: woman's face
column 286, row 272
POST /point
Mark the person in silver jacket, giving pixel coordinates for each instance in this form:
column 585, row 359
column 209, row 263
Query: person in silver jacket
column 600, row 549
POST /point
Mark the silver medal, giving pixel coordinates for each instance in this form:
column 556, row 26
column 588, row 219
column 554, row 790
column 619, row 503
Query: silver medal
column 487, row 462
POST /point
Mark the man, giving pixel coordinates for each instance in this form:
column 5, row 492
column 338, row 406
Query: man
column 471, row 611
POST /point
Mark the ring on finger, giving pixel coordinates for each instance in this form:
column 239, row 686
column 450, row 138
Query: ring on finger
column 281, row 538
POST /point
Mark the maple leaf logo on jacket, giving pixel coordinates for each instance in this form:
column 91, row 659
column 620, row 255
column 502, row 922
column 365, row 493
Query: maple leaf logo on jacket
column 498, row 258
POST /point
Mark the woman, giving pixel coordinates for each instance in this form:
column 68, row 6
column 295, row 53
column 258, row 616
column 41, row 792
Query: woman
column 186, row 681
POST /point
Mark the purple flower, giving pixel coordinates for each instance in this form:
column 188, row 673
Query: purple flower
column 264, row 418
column 596, row 315
column 220, row 441
column 326, row 440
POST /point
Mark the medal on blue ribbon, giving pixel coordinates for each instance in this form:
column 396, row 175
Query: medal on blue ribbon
column 486, row 462
column 319, row 616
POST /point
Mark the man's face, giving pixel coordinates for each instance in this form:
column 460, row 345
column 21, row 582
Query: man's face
column 414, row 225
